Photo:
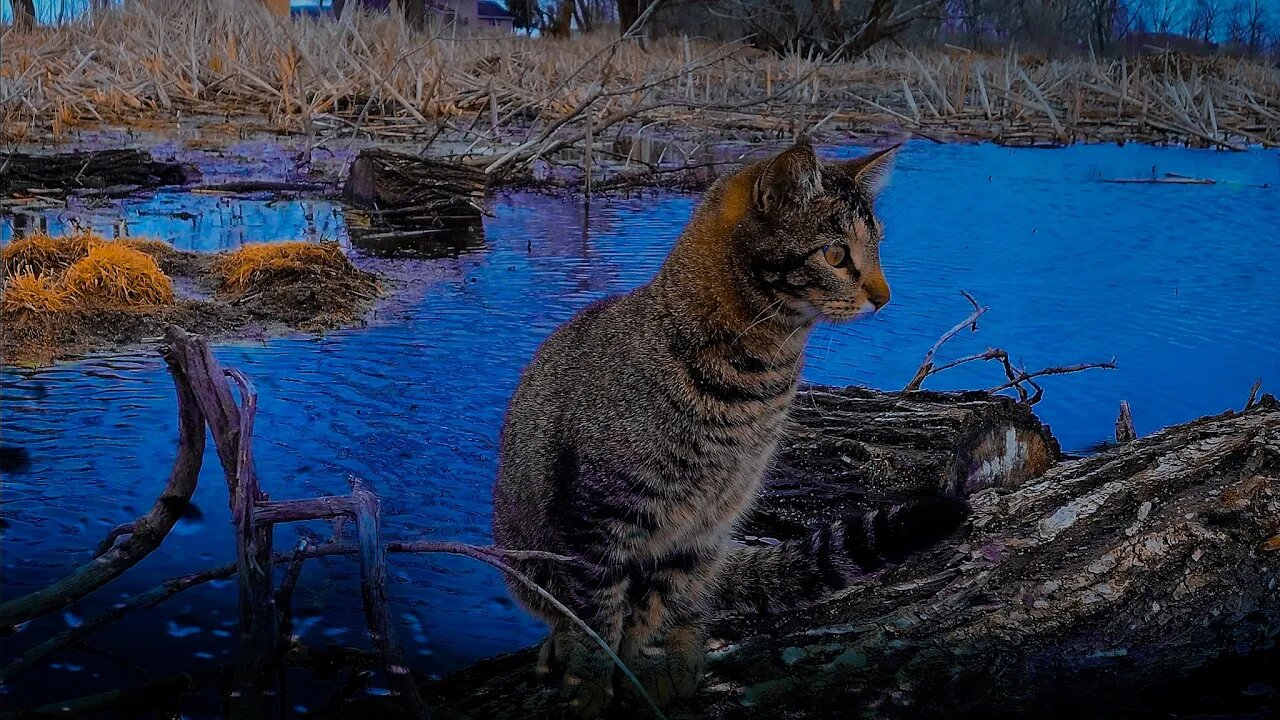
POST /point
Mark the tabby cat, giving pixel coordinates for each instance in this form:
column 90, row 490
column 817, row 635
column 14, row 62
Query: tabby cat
column 639, row 434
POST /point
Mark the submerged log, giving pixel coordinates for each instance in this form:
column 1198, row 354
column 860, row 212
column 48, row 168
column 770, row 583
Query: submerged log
column 414, row 192
column 414, row 206
column 1093, row 587
column 94, row 170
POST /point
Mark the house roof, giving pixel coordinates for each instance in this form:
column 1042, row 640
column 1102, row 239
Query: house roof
column 488, row 8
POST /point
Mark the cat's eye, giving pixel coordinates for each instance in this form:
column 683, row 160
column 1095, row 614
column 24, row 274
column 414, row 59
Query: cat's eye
column 835, row 255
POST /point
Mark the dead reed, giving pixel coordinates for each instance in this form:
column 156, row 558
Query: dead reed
column 114, row 276
column 517, row 99
column 258, row 267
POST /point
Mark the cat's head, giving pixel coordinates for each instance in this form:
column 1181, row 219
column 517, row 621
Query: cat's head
column 809, row 232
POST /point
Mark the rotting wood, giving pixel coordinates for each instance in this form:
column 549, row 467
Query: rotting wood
column 1124, row 424
column 412, row 191
column 94, row 170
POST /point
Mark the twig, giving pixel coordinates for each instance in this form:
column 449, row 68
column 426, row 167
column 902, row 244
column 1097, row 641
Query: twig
column 1017, row 378
column 1125, row 432
column 926, row 366
column 1253, row 394
column 1024, row 376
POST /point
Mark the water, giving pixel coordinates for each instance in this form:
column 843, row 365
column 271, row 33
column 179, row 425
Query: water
column 1176, row 282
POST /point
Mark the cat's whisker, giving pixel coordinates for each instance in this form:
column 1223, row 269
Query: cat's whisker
column 758, row 320
column 786, row 341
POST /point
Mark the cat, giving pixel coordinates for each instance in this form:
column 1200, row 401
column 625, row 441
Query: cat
column 639, row 434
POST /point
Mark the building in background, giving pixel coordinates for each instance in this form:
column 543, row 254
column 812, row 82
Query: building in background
column 466, row 15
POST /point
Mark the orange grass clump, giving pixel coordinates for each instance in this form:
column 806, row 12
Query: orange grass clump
column 155, row 248
column 27, row 294
column 40, row 254
column 116, row 276
column 260, row 265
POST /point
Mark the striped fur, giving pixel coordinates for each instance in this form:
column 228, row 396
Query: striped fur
column 640, row 432
column 773, row 578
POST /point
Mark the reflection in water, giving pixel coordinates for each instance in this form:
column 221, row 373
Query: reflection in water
column 448, row 239
column 1175, row 281
column 204, row 222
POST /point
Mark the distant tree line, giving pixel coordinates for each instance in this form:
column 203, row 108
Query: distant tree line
column 1245, row 27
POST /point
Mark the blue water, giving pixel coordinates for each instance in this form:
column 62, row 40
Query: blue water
column 1176, row 282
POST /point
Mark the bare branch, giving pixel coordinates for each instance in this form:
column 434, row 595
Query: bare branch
column 926, row 366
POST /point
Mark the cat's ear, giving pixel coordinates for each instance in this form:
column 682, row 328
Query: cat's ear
column 871, row 172
column 792, row 178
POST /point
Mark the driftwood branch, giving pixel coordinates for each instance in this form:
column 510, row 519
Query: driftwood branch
column 1017, row 377
column 926, row 366
column 147, row 532
column 373, row 588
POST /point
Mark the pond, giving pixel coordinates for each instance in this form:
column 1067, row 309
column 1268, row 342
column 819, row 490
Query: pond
column 1177, row 282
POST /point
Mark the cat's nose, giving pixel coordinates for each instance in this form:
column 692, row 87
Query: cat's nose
column 877, row 289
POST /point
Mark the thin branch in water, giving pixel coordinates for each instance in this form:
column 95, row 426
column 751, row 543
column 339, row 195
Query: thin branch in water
column 1024, row 376
column 1018, row 379
column 926, row 366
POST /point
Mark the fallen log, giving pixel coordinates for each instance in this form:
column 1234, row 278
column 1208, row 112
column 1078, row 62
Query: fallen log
column 1093, row 587
column 412, row 191
column 414, row 206
column 849, row 448
column 93, row 170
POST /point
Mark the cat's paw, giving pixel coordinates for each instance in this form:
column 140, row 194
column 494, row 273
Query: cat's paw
column 547, row 669
column 587, row 682
column 672, row 672
column 588, row 695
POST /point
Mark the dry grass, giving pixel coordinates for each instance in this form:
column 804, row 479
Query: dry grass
column 150, row 246
column 91, row 293
column 26, row 295
column 40, row 254
column 368, row 74
column 117, row 277
column 258, row 267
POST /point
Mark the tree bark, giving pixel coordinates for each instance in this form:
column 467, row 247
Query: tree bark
column 628, row 12
column 1103, row 582
column 94, row 170
column 851, row 448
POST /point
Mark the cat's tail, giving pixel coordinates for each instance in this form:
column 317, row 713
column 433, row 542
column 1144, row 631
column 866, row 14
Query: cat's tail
column 769, row 578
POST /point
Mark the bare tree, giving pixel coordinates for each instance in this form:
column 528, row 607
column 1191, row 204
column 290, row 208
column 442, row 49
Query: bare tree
column 850, row 26
column 1255, row 26
column 1163, row 14
column 1202, row 20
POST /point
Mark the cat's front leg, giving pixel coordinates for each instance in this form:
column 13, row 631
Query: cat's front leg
column 587, row 671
